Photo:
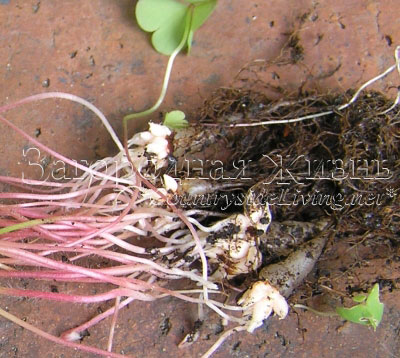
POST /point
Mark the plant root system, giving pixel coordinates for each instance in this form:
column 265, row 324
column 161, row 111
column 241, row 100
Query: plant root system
column 224, row 206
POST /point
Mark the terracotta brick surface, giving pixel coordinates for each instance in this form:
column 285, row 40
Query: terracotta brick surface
column 95, row 50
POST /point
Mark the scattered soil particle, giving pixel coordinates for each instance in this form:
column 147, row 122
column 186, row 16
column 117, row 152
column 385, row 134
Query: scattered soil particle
column 73, row 54
column 165, row 326
column 46, row 83
column 36, row 7
column 296, row 49
column 389, row 40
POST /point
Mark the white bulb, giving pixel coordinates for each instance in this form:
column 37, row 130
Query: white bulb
column 158, row 130
column 259, row 301
column 141, row 138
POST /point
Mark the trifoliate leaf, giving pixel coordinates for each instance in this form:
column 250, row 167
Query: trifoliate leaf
column 175, row 120
column 168, row 20
column 369, row 313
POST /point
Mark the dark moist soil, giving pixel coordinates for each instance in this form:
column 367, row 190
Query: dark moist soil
column 344, row 165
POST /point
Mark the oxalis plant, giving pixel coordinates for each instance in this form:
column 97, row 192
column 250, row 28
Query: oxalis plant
column 116, row 204
column 172, row 24
column 368, row 311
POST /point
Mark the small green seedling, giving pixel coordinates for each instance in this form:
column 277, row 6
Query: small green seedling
column 172, row 22
column 368, row 312
column 175, row 120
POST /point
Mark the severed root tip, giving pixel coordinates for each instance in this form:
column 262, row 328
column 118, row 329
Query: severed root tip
column 288, row 274
column 71, row 336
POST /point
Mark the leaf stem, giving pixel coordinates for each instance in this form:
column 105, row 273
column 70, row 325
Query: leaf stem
column 319, row 313
column 167, row 75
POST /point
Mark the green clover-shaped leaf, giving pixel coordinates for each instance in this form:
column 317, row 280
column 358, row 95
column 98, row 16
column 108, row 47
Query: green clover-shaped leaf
column 175, row 120
column 168, row 20
column 369, row 313
column 201, row 13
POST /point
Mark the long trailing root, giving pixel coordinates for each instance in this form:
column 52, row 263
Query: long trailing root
column 57, row 340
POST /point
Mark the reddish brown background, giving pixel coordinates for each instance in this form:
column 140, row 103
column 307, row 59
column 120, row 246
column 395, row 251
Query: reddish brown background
column 95, row 50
